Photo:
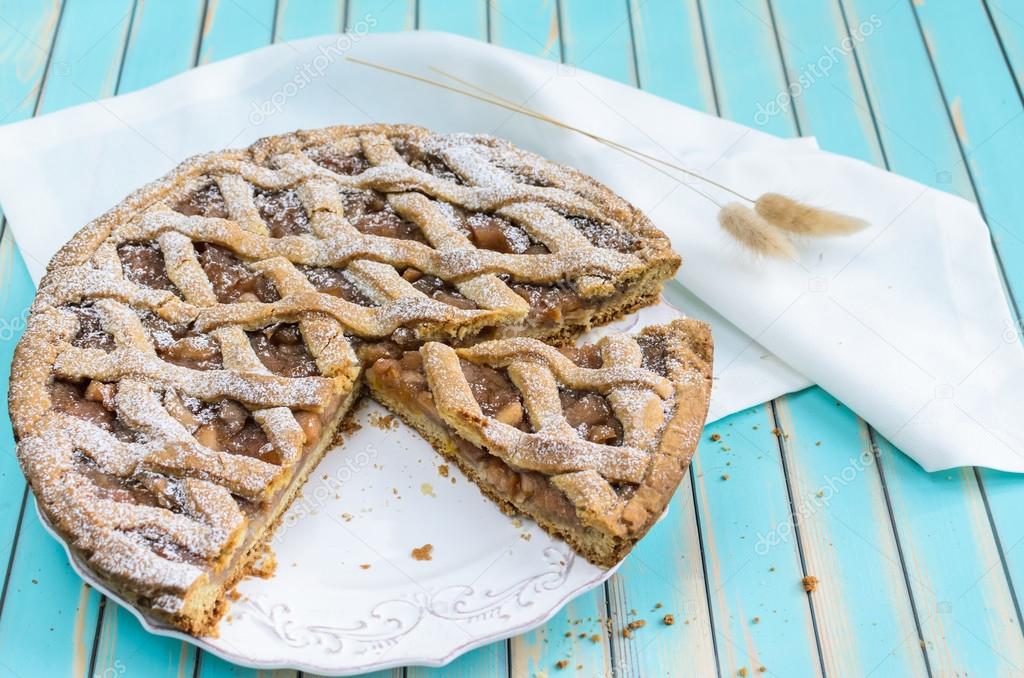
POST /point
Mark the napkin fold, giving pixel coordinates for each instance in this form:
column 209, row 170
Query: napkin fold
column 906, row 322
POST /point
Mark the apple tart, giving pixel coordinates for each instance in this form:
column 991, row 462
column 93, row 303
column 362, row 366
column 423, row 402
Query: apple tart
column 191, row 352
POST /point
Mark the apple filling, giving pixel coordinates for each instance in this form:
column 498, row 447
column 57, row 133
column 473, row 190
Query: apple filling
column 401, row 382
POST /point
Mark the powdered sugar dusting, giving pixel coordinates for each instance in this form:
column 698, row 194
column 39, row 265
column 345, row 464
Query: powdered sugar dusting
column 130, row 471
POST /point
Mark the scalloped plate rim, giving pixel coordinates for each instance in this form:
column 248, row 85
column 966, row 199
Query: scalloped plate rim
column 431, row 662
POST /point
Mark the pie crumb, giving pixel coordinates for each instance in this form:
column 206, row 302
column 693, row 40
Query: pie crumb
column 424, row 552
column 742, row 671
column 810, row 583
column 365, row 566
column 715, row 437
column 385, row 422
column 428, row 490
column 442, row 470
column 668, row 620
column 561, row 663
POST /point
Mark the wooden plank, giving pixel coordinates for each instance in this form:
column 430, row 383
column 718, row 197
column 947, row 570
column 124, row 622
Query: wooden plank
column 383, row 15
column 122, row 646
column 530, row 27
column 569, row 636
column 744, row 63
column 824, row 87
column 598, row 41
column 49, row 615
column 747, row 71
column 985, row 110
column 489, row 660
column 961, row 620
column 913, row 127
column 760, row 612
column 834, row 484
column 465, row 17
column 26, row 36
column 163, row 42
column 25, row 41
column 862, row 604
column 1008, row 21
column 670, row 55
column 232, row 28
column 664, row 575
column 965, row 608
column 297, row 19
column 86, row 59
column 41, row 629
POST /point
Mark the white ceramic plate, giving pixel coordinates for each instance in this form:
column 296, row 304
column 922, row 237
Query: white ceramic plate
column 349, row 597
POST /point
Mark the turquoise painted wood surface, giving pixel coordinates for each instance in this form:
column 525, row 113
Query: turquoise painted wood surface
column 918, row 572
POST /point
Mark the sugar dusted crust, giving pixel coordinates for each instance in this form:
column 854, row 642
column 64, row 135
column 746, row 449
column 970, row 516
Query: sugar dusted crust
column 165, row 520
column 604, row 525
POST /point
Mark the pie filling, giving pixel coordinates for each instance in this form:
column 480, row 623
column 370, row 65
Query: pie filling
column 557, row 311
column 399, row 381
column 225, row 426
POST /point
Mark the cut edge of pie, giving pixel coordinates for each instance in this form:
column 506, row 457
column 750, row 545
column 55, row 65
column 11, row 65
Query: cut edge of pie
column 150, row 393
column 507, row 422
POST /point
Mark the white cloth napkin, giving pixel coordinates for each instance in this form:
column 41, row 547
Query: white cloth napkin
column 906, row 322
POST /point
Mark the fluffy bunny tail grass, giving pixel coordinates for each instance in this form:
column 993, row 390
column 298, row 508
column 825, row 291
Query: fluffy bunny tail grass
column 754, row 233
column 796, row 217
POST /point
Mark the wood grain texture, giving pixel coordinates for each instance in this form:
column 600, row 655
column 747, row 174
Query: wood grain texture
column 987, row 115
column 383, row 15
column 231, row 28
column 164, row 40
column 26, row 38
column 297, row 19
column 531, row 27
column 934, row 92
column 49, row 616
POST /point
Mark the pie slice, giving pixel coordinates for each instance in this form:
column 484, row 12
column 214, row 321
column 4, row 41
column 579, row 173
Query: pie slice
column 590, row 442
column 191, row 352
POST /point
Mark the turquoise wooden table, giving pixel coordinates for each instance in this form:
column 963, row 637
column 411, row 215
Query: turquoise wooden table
column 917, row 573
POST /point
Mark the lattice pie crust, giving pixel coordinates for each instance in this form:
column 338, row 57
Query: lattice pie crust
column 190, row 353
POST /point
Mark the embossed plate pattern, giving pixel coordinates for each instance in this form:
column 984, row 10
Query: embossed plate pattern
column 348, row 595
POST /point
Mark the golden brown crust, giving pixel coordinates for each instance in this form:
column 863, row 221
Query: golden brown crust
column 188, row 530
column 616, row 492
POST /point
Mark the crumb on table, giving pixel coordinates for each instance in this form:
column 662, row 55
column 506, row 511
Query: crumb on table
column 425, row 552
column 810, row 583
column 668, row 620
